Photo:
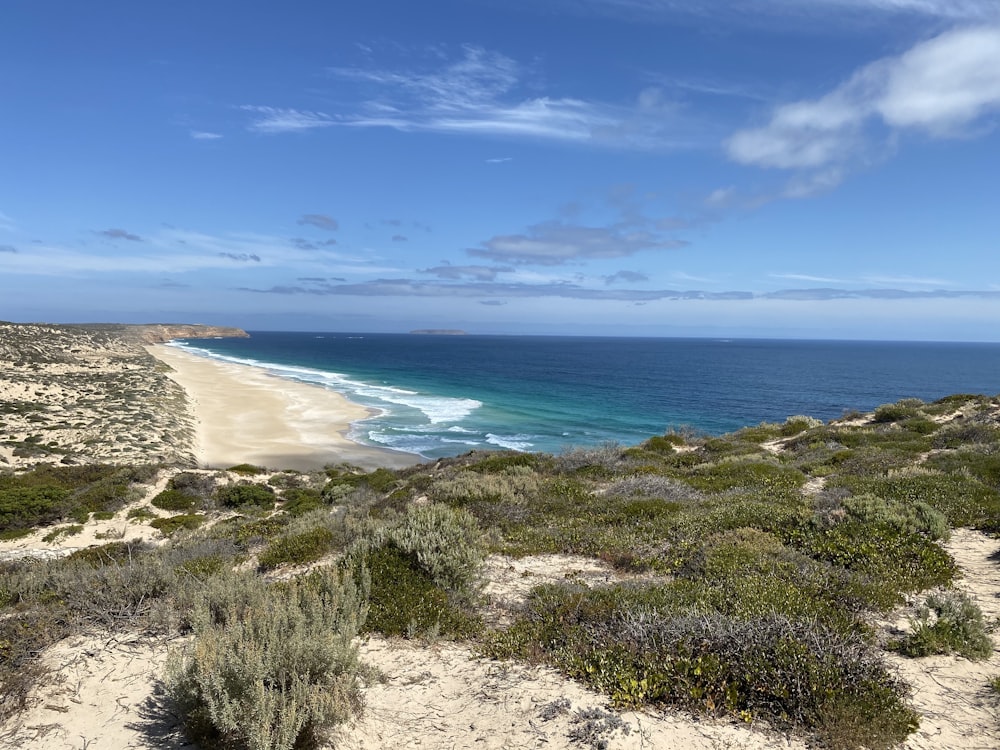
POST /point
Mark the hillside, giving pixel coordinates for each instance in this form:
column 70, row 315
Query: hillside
column 791, row 584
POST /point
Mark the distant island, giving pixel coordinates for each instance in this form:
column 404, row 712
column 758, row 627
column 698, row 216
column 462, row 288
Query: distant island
column 439, row 332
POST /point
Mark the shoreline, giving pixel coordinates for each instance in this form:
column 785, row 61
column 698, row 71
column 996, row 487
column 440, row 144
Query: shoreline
column 244, row 414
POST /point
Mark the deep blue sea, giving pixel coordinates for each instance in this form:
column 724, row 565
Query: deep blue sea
column 445, row 395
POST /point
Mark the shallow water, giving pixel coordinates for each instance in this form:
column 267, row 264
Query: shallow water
column 445, row 395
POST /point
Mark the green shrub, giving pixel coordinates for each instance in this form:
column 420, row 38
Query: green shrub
column 761, row 433
column 245, row 493
column 202, row 568
column 26, row 507
column 381, row 480
column 174, row 500
column 301, row 500
column 62, row 531
column 966, row 433
column 297, row 549
column 797, row 424
column 962, row 499
column 193, row 483
column 171, row 524
column 659, row 444
column 51, row 493
column 920, row 425
column 914, row 518
column 604, row 460
column 898, row 411
column 248, row 532
column 759, row 476
column 114, row 553
column 247, row 470
column 886, row 562
column 8, row 535
column 638, row 650
column 502, row 460
column 512, row 486
column 404, row 599
column 271, row 667
column 142, row 514
column 425, row 567
column 948, row 622
column 288, row 479
column 984, row 466
column 445, row 542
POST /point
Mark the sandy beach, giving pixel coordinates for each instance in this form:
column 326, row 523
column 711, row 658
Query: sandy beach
column 243, row 414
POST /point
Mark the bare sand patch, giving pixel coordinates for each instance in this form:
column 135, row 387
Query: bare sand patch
column 951, row 693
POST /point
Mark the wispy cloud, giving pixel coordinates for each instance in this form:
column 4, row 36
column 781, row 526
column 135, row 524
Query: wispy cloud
column 303, row 244
column 273, row 120
column 204, row 135
column 629, row 277
column 485, row 93
column 6, row 223
column 119, row 234
column 241, row 257
column 806, row 277
column 757, row 12
column 557, row 243
column 945, row 87
column 500, row 160
column 473, row 272
column 320, row 221
column 8, row 249
column 419, row 288
column 494, row 292
column 175, row 251
column 907, row 281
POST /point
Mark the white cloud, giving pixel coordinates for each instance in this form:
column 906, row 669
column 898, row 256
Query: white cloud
column 276, row 120
column 6, row 223
column 204, row 135
column 944, row 86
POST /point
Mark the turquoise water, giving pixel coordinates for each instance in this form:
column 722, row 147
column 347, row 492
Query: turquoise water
column 445, row 395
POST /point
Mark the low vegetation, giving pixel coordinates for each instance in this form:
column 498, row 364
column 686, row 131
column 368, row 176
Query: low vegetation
column 948, row 622
column 271, row 667
column 766, row 556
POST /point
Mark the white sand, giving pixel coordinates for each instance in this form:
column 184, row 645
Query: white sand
column 244, row 414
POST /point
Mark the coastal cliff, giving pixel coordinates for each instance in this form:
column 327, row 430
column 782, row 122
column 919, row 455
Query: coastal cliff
column 158, row 333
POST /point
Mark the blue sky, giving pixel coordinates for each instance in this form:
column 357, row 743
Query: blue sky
column 786, row 168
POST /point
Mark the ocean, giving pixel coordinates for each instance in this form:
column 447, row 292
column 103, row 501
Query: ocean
column 438, row 395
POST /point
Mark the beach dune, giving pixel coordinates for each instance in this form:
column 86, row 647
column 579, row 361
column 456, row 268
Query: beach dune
column 244, row 414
